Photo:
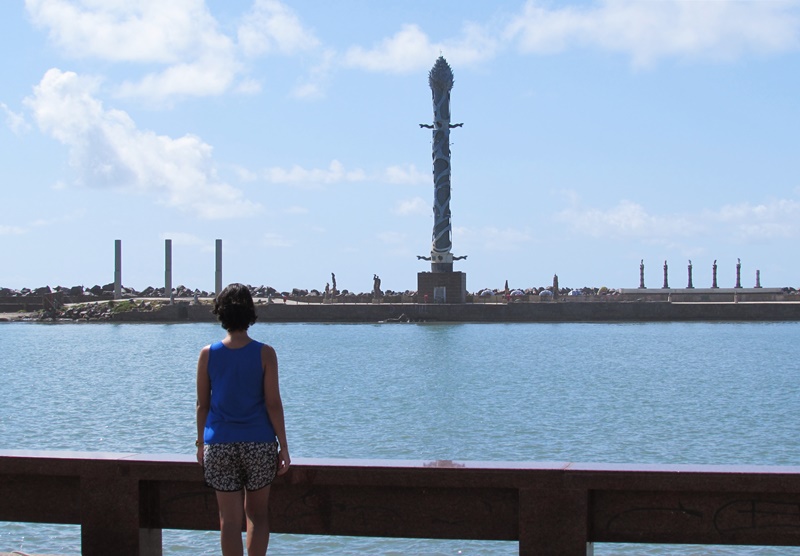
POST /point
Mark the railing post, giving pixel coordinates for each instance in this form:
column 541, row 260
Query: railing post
column 109, row 507
column 554, row 522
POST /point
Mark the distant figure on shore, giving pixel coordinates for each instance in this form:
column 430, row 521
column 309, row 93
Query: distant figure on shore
column 241, row 435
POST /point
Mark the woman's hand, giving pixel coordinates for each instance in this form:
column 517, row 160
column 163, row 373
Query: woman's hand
column 200, row 454
column 284, row 461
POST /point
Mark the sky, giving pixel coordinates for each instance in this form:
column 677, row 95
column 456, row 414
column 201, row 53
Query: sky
column 596, row 134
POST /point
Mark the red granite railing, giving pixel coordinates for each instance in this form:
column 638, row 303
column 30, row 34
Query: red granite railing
column 123, row 501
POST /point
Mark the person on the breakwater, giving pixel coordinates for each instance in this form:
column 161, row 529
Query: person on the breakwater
column 241, row 435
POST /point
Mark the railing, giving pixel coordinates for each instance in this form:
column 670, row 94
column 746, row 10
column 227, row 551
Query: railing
column 123, row 501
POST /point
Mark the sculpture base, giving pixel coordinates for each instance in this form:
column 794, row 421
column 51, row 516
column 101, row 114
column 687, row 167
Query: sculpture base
column 442, row 287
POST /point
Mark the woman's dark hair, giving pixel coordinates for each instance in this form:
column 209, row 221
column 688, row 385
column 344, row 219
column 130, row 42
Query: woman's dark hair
column 234, row 308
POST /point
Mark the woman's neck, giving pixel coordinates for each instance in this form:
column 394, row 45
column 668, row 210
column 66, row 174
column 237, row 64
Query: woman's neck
column 236, row 339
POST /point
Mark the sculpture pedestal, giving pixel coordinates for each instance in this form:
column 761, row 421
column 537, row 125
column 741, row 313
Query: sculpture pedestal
column 442, row 287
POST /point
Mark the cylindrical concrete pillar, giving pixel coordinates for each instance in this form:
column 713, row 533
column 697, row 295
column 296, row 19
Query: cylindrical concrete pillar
column 218, row 272
column 168, row 269
column 117, row 269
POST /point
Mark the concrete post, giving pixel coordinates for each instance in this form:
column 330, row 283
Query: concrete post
column 738, row 273
column 641, row 275
column 218, row 272
column 117, row 269
column 168, row 270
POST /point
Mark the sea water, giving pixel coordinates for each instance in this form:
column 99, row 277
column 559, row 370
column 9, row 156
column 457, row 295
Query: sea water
column 695, row 393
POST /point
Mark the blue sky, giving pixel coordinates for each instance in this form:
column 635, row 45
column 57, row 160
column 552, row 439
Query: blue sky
column 596, row 134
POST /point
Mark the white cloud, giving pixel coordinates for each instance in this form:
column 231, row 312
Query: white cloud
column 184, row 239
column 42, row 223
column 393, row 238
column 276, row 240
column 775, row 219
column 118, row 30
column 213, row 74
column 272, row 26
column 407, row 175
column 415, row 206
column 337, row 173
column 297, row 175
column 313, row 86
column 244, row 174
column 648, row 31
column 107, row 150
column 12, row 230
column 249, row 86
column 16, row 122
column 180, row 35
column 410, row 50
column 627, row 219
column 502, row 239
column 746, row 221
column 295, row 210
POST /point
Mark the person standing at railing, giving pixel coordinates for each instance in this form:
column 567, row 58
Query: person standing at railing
column 241, row 435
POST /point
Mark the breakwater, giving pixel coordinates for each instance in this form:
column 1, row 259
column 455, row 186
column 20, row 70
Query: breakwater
column 634, row 311
column 633, row 305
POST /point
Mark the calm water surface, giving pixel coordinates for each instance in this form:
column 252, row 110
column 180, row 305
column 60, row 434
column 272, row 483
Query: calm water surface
column 704, row 393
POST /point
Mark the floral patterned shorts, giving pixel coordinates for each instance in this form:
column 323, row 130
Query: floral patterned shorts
column 237, row 465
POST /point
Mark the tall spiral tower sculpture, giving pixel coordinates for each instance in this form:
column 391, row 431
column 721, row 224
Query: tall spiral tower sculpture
column 440, row 79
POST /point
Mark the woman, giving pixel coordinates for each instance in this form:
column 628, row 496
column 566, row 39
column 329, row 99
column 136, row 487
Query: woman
column 241, row 436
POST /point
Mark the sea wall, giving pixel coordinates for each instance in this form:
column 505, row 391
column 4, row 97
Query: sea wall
column 634, row 311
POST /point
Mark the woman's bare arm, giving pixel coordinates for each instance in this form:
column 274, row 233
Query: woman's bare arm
column 203, row 399
column 272, row 397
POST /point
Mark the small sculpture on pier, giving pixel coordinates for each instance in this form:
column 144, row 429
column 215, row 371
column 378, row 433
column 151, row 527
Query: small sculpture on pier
column 689, row 286
column 758, row 278
column 714, row 275
column 641, row 275
column 376, row 286
column 333, row 281
column 666, row 282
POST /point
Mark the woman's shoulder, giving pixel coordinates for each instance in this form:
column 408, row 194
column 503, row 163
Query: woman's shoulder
column 265, row 347
column 268, row 354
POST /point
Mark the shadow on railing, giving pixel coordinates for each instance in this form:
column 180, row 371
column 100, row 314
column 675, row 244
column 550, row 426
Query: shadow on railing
column 123, row 501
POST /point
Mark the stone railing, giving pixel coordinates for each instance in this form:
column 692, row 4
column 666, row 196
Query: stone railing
column 123, row 501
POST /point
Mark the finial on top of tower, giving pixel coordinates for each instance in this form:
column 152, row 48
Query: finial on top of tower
column 441, row 75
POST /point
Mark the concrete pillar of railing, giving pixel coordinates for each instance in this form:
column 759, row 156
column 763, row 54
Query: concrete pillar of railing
column 218, row 272
column 554, row 522
column 117, row 269
column 110, row 524
column 168, row 270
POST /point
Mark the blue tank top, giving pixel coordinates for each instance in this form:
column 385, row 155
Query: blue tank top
column 238, row 412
